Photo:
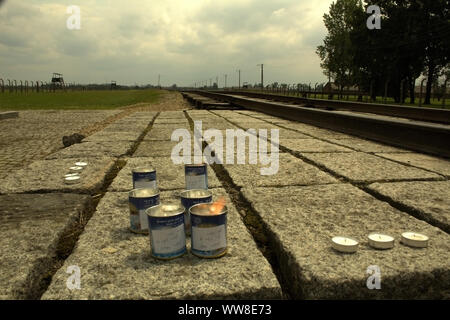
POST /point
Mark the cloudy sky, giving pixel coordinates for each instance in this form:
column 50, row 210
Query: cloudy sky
column 185, row 41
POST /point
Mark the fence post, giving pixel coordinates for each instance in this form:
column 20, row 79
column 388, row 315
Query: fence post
column 445, row 92
column 3, row 85
column 15, row 85
column 421, row 87
column 26, row 86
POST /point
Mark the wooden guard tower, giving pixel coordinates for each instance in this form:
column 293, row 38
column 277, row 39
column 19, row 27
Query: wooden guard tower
column 57, row 80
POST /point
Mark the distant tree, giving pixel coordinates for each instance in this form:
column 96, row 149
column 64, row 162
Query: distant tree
column 336, row 51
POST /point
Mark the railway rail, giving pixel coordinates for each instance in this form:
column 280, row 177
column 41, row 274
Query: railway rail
column 403, row 131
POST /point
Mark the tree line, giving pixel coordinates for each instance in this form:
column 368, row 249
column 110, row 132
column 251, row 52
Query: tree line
column 413, row 41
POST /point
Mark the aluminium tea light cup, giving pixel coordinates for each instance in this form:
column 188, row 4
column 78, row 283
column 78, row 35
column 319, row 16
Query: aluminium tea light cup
column 344, row 244
column 76, row 169
column 72, row 179
column 381, row 241
column 81, row 164
column 415, row 240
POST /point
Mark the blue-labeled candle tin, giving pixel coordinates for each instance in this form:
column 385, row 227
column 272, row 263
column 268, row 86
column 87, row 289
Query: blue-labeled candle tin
column 139, row 201
column 166, row 229
column 190, row 198
column 144, row 177
column 196, row 176
column 208, row 230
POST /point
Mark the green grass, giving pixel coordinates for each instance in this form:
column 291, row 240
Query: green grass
column 86, row 100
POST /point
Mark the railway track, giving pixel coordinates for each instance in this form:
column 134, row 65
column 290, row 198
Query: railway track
column 398, row 126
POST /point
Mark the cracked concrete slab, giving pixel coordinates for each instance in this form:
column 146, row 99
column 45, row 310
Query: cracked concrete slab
column 438, row 165
column 302, row 220
column 48, row 176
column 35, row 230
column 93, row 149
column 292, row 171
column 363, row 167
column 169, row 175
column 429, row 201
column 116, row 264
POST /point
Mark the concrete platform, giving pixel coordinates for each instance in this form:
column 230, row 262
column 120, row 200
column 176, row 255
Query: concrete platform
column 429, row 201
column 116, row 264
column 9, row 115
column 311, row 145
column 48, row 176
column 169, row 175
column 302, row 220
column 363, row 167
column 438, row 165
column 35, row 230
column 88, row 150
column 292, row 171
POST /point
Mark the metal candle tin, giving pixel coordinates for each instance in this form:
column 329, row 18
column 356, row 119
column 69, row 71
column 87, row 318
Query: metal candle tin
column 196, row 176
column 190, row 198
column 166, row 228
column 144, row 177
column 208, row 231
column 140, row 200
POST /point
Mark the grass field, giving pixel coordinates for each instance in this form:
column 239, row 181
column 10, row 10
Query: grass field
column 86, row 100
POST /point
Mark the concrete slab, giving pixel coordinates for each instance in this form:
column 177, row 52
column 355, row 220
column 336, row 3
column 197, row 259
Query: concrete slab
column 311, row 145
column 92, row 149
column 169, row 175
column 9, row 115
column 172, row 121
column 170, row 126
column 48, row 176
column 429, row 201
column 257, row 125
column 438, row 165
column 112, row 136
column 302, row 220
column 127, row 127
column 292, row 171
column 368, row 146
column 157, row 148
column 34, row 230
column 171, row 115
column 316, row 131
column 160, row 134
column 363, row 167
column 129, row 272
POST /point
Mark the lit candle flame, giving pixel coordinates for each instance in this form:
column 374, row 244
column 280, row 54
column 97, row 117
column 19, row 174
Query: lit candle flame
column 217, row 206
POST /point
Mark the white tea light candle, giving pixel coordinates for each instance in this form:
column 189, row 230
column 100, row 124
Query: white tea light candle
column 344, row 244
column 415, row 240
column 71, row 175
column 76, row 169
column 72, row 180
column 81, row 164
column 381, row 241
